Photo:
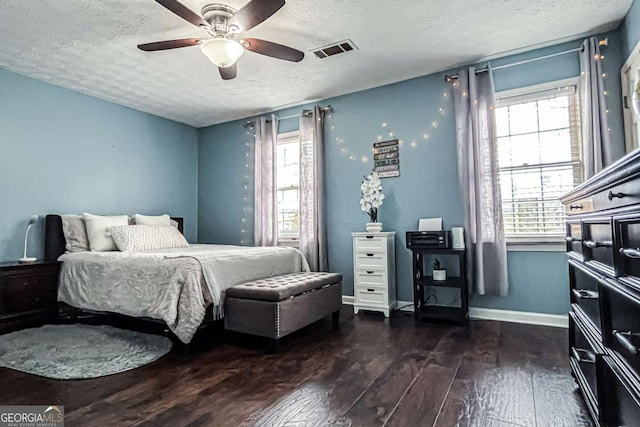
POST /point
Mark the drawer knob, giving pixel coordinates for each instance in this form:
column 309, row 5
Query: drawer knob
column 593, row 244
column 575, row 207
column 582, row 355
column 369, row 254
column 369, row 237
column 613, row 195
column 624, row 339
column 584, row 294
column 630, row 253
column 370, row 290
column 370, row 272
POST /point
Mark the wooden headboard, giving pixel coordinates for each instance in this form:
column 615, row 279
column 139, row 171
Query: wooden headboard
column 54, row 243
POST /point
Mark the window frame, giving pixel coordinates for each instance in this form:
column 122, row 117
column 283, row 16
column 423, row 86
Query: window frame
column 285, row 138
column 521, row 95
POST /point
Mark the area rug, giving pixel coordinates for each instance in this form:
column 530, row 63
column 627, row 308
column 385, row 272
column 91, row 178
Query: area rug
column 67, row 352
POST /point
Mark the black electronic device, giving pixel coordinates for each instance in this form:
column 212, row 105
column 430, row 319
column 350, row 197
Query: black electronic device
column 428, row 239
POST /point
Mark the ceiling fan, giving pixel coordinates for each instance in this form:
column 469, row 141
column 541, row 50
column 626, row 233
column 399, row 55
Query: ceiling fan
column 224, row 24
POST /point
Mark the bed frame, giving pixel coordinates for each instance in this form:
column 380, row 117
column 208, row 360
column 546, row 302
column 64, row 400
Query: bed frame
column 54, row 246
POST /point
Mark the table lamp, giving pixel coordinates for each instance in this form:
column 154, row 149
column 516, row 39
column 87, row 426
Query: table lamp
column 25, row 259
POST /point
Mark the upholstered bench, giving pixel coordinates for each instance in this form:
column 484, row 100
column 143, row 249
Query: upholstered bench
column 277, row 306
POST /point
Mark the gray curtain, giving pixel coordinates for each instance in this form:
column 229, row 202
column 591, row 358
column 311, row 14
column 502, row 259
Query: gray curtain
column 265, row 211
column 596, row 144
column 474, row 103
column 313, row 235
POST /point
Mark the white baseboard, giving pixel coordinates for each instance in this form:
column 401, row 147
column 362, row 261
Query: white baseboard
column 542, row 319
column 348, row 299
column 477, row 313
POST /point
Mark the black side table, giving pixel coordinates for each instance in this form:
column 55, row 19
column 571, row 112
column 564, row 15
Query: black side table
column 424, row 311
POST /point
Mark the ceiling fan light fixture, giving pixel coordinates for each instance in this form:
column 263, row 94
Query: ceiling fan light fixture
column 222, row 52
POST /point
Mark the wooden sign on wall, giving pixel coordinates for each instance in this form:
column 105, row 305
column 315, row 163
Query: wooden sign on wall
column 386, row 158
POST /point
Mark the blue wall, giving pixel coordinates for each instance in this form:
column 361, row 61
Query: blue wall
column 631, row 29
column 427, row 185
column 64, row 152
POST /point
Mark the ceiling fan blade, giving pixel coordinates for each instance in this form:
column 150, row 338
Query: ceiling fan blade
column 254, row 12
column 228, row 73
column 184, row 12
column 272, row 49
column 169, row 44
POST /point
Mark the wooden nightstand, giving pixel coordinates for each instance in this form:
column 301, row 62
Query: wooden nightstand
column 28, row 294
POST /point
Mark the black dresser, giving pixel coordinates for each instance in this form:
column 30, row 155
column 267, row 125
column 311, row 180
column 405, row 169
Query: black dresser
column 603, row 246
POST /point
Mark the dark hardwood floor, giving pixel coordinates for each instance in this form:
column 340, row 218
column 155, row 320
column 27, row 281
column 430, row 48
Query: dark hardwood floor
column 371, row 372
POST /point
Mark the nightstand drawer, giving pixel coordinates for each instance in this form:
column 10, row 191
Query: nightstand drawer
column 371, row 279
column 371, row 296
column 370, row 244
column 24, row 293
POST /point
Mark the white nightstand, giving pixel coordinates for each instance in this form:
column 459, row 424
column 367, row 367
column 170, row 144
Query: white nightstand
column 374, row 271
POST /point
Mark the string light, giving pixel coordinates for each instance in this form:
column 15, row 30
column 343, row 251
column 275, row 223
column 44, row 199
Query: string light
column 386, row 132
column 245, row 186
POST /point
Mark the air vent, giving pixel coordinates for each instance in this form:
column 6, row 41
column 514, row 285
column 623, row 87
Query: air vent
column 334, row 49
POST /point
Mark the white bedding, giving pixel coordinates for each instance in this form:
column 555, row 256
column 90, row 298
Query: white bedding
column 173, row 285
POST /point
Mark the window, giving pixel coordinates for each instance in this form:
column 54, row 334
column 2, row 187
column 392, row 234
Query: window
column 538, row 132
column 288, row 186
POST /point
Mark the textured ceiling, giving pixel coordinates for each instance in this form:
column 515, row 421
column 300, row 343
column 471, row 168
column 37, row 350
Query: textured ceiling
column 90, row 46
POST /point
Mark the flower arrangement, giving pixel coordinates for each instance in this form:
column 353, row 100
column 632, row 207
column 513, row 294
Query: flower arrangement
column 372, row 195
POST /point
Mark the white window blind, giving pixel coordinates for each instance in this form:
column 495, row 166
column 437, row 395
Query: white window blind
column 539, row 157
column 288, row 186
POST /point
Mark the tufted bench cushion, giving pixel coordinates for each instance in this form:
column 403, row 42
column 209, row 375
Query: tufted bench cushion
column 277, row 306
column 282, row 287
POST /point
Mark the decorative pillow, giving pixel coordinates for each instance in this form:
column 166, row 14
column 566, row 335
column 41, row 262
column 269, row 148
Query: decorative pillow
column 152, row 220
column 98, row 231
column 75, row 233
column 135, row 238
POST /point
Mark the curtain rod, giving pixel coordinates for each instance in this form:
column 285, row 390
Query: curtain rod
column 251, row 123
column 450, row 78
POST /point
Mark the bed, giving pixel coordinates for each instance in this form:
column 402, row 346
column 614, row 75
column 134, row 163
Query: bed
column 179, row 287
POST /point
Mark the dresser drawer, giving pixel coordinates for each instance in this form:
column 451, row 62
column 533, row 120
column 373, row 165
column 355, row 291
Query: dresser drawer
column 372, row 243
column 621, row 396
column 574, row 237
column 371, row 296
column 621, row 323
column 371, row 279
column 584, row 292
column 583, row 349
column 598, row 244
column 581, row 206
column 618, row 196
column 371, row 261
column 28, row 292
column 627, row 231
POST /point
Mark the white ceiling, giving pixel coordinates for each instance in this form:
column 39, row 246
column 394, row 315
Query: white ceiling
column 90, row 46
